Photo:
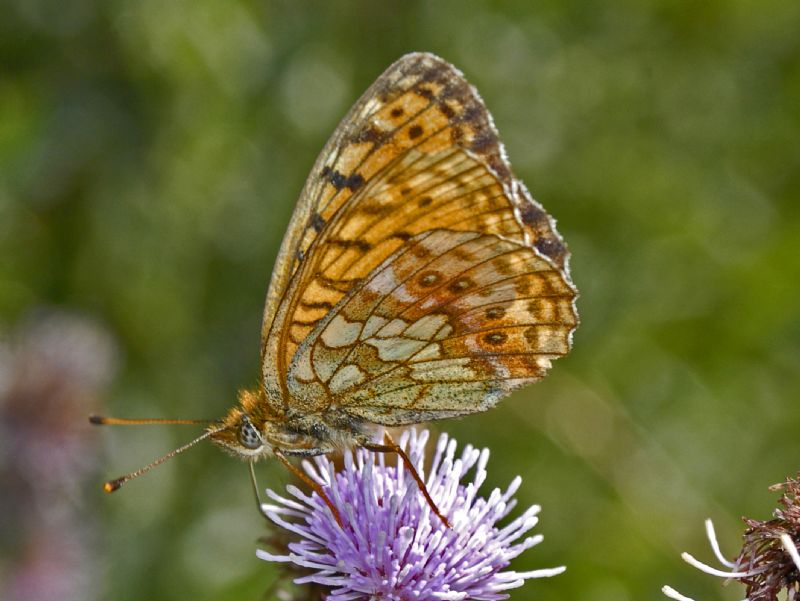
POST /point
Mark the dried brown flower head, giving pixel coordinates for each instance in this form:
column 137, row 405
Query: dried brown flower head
column 769, row 561
column 766, row 551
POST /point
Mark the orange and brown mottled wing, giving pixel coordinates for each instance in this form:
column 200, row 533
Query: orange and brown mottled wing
column 417, row 152
column 445, row 326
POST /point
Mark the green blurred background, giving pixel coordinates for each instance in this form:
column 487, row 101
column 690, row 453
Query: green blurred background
column 151, row 154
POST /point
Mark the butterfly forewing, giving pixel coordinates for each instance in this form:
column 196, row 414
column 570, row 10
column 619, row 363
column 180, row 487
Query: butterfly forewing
column 417, row 279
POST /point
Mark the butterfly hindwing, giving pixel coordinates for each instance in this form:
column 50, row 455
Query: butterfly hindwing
column 445, row 326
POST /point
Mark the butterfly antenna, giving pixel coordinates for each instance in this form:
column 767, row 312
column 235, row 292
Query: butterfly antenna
column 117, row 483
column 99, row 420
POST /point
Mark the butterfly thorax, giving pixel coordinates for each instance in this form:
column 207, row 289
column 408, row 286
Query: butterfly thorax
column 253, row 429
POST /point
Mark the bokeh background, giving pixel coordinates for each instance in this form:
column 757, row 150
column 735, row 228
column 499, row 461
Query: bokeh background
column 150, row 157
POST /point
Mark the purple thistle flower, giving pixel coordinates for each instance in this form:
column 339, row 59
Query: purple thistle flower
column 392, row 545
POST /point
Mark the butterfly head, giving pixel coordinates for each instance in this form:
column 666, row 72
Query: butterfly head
column 245, row 430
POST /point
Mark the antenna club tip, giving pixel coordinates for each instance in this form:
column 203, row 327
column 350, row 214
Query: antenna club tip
column 97, row 420
column 112, row 485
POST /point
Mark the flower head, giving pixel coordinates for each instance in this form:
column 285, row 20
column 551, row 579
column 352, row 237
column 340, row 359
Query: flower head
column 392, row 546
column 769, row 561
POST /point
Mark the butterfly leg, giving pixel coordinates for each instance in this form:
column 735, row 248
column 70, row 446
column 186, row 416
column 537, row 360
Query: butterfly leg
column 392, row 447
column 314, row 485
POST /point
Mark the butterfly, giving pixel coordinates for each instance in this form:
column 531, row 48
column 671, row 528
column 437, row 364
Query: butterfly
column 418, row 280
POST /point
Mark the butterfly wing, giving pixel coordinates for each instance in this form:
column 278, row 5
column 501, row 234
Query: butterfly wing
column 445, row 326
column 418, row 152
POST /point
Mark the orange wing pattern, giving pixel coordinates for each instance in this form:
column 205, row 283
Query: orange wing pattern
column 418, row 152
column 445, row 326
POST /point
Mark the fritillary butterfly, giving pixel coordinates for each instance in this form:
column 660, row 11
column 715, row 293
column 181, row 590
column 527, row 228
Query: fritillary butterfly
column 417, row 280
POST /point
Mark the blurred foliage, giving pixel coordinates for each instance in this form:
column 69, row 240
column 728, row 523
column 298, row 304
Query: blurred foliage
column 150, row 157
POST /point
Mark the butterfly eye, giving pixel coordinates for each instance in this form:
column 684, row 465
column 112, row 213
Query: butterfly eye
column 249, row 436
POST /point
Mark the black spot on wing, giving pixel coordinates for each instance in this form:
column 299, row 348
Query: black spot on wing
column 354, row 182
column 317, row 222
column 372, row 135
column 318, row 305
column 484, row 142
column 425, row 92
column 532, row 215
column 550, row 247
column 340, row 181
column 446, row 110
column 361, row 245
